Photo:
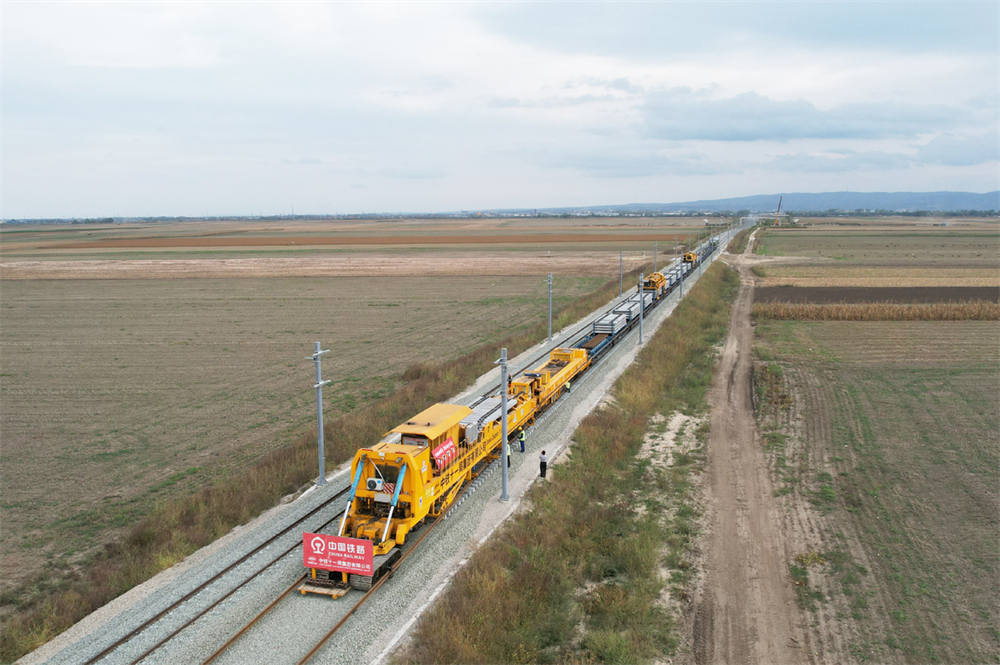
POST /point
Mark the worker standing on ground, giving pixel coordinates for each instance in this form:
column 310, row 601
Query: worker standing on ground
column 521, row 438
column 508, row 454
column 543, row 463
column 569, row 387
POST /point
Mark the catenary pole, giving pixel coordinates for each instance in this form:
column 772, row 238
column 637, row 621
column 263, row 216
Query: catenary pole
column 550, row 307
column 642, row 307
column 317, row 361
column 503, row 421
column 680, row 270
column 620, row 272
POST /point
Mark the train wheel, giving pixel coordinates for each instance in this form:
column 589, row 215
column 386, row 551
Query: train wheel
column 362, row 582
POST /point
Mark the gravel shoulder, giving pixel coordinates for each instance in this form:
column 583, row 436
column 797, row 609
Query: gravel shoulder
column 382, row 623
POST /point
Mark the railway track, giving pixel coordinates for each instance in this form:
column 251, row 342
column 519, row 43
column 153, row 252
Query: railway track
column 568, row 339
column 343, row 620
column 204, row 585
column 145, row 625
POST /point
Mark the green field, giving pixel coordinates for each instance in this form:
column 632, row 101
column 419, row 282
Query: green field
column 890, row 432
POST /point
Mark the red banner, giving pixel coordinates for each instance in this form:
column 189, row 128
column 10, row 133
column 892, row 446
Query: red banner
column 349, row 555
column 444, row 454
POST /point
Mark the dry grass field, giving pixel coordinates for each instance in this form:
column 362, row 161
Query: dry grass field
column 885, row 440
column 887, row 248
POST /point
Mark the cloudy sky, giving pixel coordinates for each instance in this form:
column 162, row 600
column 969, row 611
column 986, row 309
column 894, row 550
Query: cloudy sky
column 186, row 108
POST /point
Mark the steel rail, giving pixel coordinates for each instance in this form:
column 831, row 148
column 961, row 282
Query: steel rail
column 568, row 338
column 392, row 569
column 201, row 587
column 340, row 623
column 196, row 590
column 218, row 652
column 389, row 573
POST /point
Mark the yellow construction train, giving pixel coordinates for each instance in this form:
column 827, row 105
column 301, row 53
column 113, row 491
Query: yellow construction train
column 419, row 468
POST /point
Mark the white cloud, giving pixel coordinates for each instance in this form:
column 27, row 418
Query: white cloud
column 197, row 108
column 686, row 114
column 961, row 150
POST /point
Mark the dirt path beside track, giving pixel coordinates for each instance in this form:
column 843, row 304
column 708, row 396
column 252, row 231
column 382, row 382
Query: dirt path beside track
column 746, row 610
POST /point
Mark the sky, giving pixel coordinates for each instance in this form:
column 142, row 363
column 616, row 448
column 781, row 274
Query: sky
column 225, row 108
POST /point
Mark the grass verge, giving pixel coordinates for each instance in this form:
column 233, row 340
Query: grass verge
column 739, row 242
column 581, row 578
column 43, row 608
column 979, row 310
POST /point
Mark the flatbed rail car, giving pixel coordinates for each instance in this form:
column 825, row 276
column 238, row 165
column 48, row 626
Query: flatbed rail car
column 607, row 330
column 418, row 469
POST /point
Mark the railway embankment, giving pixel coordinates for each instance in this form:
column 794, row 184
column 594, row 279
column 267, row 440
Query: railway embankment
column 181, row 528
column 441, row 556
column 588, row 574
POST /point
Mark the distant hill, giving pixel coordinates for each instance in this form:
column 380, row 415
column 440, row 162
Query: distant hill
column 812, row 202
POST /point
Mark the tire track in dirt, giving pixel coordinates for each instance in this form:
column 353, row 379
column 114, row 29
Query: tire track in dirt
column 806, row 530
column 746, row 610
column 829, row 639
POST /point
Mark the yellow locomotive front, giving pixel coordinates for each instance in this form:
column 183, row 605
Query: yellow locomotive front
column 399, row 478
column 416, row 472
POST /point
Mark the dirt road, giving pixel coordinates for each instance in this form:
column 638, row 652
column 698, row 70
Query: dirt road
column 746, row 610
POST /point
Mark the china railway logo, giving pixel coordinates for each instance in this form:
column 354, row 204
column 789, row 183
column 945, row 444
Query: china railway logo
column 349, row 555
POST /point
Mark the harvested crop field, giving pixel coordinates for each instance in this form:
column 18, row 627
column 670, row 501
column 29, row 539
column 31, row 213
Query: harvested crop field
column 967, row 255
column 228, row 239
column 833, row 274
column 884, row 443
column 947, row 248
column 859, row 294
column 353, row 264
column 123, row 393
column 349, row 241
